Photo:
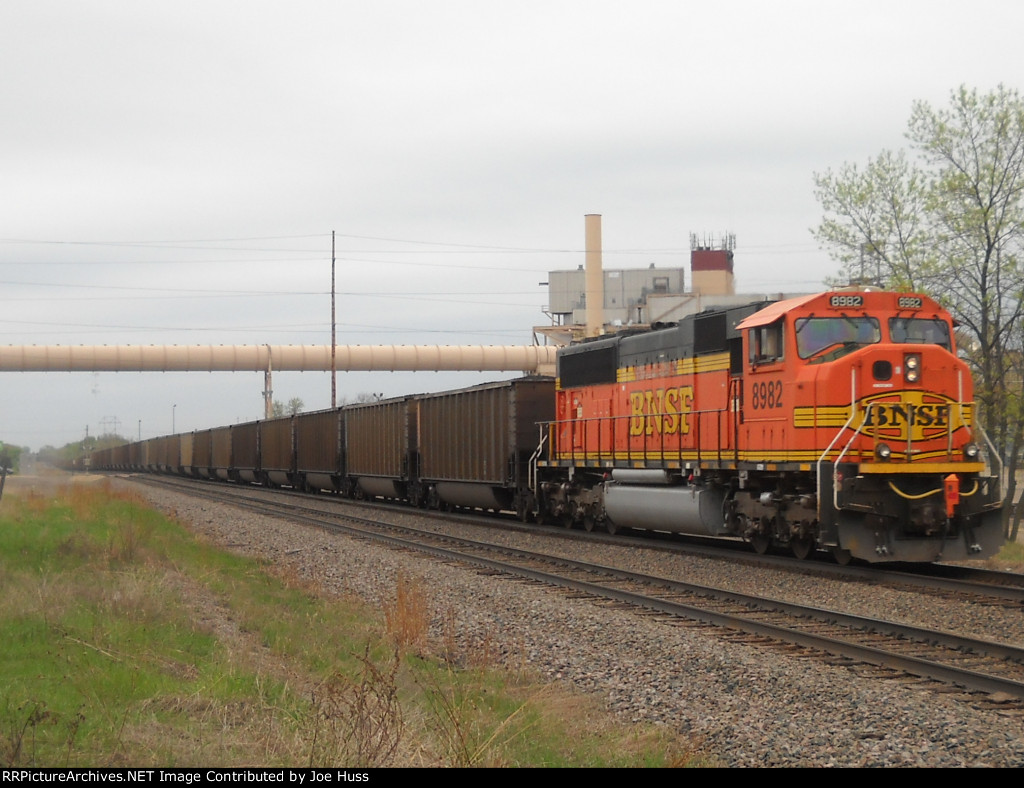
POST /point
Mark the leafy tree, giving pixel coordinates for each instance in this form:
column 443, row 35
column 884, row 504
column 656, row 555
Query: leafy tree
column 361, row 398
column 949, row 222
column 295, row 405
column 10, row 457
column 874, row 219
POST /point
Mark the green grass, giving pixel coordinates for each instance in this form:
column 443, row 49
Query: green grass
column 130, row 642
column 1012, row 553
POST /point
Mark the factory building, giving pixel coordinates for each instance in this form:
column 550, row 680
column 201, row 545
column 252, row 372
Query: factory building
column 638, row 297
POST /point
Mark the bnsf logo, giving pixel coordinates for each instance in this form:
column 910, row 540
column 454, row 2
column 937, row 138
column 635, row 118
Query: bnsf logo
column 912, row 416
column 907, row 415
column 661, row 411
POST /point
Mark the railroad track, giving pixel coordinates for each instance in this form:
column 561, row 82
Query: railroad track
column 985, row 672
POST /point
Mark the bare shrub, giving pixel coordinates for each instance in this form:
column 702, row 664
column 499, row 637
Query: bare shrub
column 407, row 619
column 358, row 721
column 124, row 543
column 17, row 742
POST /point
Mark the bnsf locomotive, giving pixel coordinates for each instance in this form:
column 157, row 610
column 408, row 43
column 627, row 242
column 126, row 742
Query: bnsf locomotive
column 841, row 421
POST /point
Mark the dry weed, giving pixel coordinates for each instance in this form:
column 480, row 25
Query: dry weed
column 358, row 721
column 469, row 737
column 407, row 619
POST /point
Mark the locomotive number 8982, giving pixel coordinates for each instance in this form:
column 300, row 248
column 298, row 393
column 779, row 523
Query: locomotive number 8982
column 841, row 421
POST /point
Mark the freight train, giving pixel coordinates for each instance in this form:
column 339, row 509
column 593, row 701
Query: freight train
column 841, row 421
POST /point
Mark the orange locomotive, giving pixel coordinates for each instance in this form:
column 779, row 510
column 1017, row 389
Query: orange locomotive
column 841, row 421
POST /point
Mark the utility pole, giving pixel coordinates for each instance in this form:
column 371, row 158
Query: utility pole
column 334, row 344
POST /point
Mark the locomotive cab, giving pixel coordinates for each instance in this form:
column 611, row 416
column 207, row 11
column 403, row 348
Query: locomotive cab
column 858, row 432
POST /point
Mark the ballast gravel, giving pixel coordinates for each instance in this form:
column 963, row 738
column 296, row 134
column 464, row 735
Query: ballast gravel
column 741, row 705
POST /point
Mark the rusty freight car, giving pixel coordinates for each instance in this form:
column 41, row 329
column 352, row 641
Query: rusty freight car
column 319, row 450
column 277, row 451
column 475, row 444
column 380, row 441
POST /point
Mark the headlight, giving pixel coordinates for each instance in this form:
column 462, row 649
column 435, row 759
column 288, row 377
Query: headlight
column 883, row 452
column 971, row 451
column 912, row 367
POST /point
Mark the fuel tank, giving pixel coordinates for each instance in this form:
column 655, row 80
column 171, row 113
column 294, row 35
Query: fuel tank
column 685, row 509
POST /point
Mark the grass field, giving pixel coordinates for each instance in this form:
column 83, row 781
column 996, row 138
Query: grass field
column 128, row 642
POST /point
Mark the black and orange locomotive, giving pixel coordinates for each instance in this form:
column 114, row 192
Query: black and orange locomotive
column 840, row 421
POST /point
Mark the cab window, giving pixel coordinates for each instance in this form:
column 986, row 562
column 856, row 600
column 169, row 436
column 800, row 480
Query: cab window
column 920, row 331
column 843, row 334
column 766, row 344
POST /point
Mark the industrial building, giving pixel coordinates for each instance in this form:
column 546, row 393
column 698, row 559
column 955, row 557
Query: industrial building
column 639, row 297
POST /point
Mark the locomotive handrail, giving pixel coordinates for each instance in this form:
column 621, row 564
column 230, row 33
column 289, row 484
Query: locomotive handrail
column 654, row 446
column 997, row 461
column 910, row 440
column 846, row 426
column 846, row 448
column 960, row 407
column 545, row 432
column 736, row 416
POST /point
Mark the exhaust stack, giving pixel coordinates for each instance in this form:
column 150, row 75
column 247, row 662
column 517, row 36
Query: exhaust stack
column 594, row 275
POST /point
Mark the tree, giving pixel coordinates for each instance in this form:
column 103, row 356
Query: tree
column 279, row 410
column 10, row 457
column 950, row 223
column 873, row 220
column 361, row 398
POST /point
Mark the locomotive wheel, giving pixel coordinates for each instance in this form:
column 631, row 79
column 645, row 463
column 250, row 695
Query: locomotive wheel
column 841, row 556
column 588, row 523
column 610, row 527
column 801, row 547
column 760, row 543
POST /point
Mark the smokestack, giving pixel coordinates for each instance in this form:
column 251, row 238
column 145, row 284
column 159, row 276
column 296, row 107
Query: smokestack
column 595, row 275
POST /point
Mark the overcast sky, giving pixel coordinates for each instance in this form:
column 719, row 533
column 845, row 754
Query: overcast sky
column 171, row 173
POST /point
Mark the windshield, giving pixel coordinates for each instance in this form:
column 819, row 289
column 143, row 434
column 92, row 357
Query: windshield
column 815, row 334
column 919, row 330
